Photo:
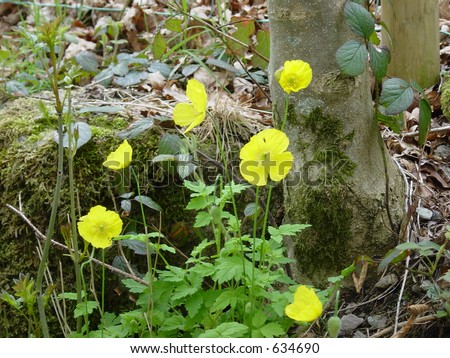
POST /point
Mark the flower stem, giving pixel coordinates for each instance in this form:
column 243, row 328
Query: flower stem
column 264, row 227
column 255, row 225
column 103, row 292
column 149, row 258
column 86, row 319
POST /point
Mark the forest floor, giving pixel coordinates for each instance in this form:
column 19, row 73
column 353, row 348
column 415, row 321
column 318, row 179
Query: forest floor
column 107, row 32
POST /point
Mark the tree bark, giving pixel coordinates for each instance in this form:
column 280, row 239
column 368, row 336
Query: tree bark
column 413, row 39
column 341, row 169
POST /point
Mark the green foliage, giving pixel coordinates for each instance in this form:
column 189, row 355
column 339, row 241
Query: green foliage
column 396, row 95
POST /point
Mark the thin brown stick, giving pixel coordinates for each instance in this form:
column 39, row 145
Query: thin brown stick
column 440, row 130
column 388, row 330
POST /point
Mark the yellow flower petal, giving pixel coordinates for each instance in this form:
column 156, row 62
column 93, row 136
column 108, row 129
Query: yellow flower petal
column 253, row 172
column 265, row 155
column 120, row 158
column 294, row 76
column 273, row 141
column 191, row 114
column 306, row 306
column 99, row 226
column 196, row 93
column 283, row 165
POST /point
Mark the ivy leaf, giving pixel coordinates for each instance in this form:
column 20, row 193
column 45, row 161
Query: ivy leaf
column 359, row 19
column 136, row 128
column 174, row 24
column 424, row 120
column 132, row 78
column 445, row 277
column 145, row 200
column 159, row 46
column 226, row 330
column 263, row 47
column 83, row 131
column 87, row 60
column 379, row 61
column 396, row 96
column 351, row 58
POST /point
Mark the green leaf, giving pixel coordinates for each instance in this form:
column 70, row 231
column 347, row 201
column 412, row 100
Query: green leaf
column 393, row 122
column 185, row 168
column 199, row 203
column 183, row 290
column 351, row 58
column 145, row 200
column 263, row 47
column 229, row 297
column 159, row 46
column 131, row 79
column 424, row 120
column 84, row 308
column 445, row 277
column 173, row 323
column 226, row 330
column 396, row 96
column 272, row 329
column 4, row 54
column 285, row 230
column 379, row 61
column 170, row 144
column 136, row 128
column 16, row 88
column 133, row 286
column 359, row 19
column 393, row 256
column 230, row 267
column 121, row 69
column 174, row 24
column 374, row 39
column 87, row 60
column 105, row 77
column 245, row 29
column 84, row 134
column 194, row 303
column 202, row 219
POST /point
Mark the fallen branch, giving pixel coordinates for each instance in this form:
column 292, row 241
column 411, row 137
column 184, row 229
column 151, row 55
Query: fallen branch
column 439, row 130
column 388, row 330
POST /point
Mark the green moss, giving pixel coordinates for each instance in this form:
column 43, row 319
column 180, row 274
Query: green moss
column 445, row 98
column 322, row 197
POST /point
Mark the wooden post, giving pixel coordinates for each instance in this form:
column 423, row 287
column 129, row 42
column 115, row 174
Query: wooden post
column 414, row 39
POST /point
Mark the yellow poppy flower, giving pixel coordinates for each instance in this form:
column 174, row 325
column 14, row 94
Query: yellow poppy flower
column 191, row 114
column 99, row 226
column 306, row 306
column 294, row 76
column 265, row 155
column 120, row 158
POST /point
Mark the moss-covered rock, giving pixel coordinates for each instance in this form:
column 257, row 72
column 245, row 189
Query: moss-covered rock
column 445, row 98
column 28, row 157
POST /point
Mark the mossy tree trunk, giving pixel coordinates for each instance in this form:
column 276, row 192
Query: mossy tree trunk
column 338, row 184
column 413, row 39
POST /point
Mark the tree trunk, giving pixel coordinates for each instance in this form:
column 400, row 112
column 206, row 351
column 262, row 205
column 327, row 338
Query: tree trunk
column 413, row 39
column 341, row 169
